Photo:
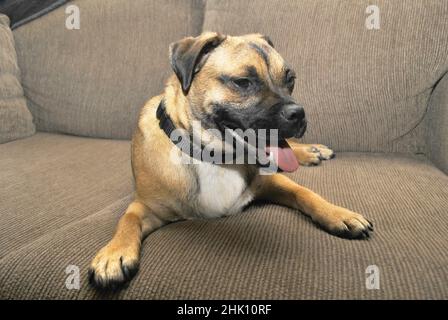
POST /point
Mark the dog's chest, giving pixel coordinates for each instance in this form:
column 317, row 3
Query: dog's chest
column 222, row 191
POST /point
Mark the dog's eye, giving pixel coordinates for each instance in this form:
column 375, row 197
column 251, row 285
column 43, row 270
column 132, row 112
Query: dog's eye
column 242, row 83
column 290, row 80
column 291, row 83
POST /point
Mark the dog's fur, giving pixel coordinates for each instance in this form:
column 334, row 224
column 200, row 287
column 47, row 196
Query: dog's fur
column 200, row 89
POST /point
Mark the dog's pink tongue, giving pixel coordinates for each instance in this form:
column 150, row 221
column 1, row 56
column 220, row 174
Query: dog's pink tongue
column 284, row 157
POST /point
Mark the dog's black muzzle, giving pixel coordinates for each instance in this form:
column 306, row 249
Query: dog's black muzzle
column 287, row 118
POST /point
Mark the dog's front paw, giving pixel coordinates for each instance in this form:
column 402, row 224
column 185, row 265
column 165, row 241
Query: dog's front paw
column 313, row 154
column 345, row 223
column 113, row 266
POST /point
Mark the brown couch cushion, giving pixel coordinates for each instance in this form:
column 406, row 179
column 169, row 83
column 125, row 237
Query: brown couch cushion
column 363, row 90
column 94, row 81
column 15, row 119
column 269, row 251
column 48, row 181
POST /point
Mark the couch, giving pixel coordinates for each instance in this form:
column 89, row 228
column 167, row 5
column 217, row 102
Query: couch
column 378, row 97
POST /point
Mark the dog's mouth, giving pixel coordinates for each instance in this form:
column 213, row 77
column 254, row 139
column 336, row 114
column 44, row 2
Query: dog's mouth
column 283, row 156
column 280, row 153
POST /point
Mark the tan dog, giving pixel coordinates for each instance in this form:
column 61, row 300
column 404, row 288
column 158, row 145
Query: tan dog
column 225, row 83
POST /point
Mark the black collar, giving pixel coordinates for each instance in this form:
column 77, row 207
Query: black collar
column 185, row 142
column 165, row 122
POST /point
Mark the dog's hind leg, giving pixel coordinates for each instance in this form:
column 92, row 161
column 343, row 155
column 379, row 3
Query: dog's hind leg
column 310, row 154
column 118, row 261
column 339, row 221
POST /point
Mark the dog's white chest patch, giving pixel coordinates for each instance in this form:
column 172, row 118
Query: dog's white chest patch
column 223, row 191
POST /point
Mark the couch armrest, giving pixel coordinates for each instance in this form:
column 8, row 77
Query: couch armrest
column 437, row 125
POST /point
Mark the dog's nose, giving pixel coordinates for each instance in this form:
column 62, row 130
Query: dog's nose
column 293, row 112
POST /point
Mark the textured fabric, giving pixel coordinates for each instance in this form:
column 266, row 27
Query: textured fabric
column 94, row 81
column 363, row 90
column 23, row 11
column 48, row 181
column 268, row 251
column 437, row 124
column 15, row 119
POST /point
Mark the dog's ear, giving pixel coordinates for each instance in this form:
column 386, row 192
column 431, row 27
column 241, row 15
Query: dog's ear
column 268, row 40
column 188, row 55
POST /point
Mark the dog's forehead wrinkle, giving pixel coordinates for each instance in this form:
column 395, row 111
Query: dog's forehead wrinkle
column 261, row 52
column 275, row 65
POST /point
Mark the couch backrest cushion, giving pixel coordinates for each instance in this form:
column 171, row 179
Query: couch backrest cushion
column 15, row 119
column 363, row 90
column 94, row 81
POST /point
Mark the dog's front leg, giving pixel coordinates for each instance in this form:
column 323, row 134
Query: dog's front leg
column 118, row 261
column 336, row 220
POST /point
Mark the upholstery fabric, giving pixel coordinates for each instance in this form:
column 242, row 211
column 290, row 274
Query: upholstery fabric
column 48, row 181
column 15, row 119
column 378, row 91
column 266, row 252
column 437, row 124
column 94, row 81
column 363, row 90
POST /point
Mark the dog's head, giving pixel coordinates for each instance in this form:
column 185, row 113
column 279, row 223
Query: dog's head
column 238, row 83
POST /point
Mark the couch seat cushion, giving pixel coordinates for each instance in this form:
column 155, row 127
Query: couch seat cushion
column 48, row 181
column 267, row 252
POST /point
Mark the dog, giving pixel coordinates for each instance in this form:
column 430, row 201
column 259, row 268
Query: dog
column 224, row 82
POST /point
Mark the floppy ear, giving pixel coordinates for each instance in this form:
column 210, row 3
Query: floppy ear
column 188, row 55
